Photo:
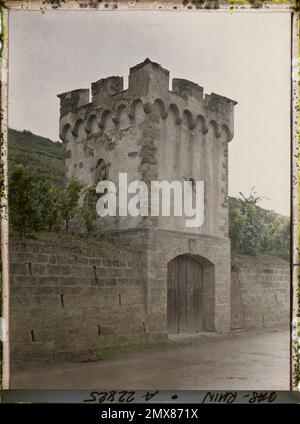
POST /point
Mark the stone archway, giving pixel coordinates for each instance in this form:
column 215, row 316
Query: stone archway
column 191, row 295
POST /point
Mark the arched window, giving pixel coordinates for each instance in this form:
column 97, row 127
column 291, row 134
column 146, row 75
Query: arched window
column 101, row 171
column 193, row 191
column 193, row 184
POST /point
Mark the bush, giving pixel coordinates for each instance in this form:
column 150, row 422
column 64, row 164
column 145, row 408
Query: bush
column 254, row 230
column 68, row 202
column 23, row 210
column 88, row 209
column 36, row 205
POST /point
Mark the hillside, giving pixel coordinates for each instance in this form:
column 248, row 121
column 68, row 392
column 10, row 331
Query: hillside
column 37, row 152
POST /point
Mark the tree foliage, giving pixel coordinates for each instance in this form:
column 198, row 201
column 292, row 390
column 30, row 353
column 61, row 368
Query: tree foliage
column 23, row 210
column 88, row 209
column 68, row 202
column 254, row 230
column 37, row 205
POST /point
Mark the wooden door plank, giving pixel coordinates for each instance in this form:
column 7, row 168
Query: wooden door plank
column 198, row 297
column 185, row 295
column 173, row 297
column 182, row 286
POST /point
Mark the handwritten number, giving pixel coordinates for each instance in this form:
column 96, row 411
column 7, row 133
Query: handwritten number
column 150, row 395
column 101, row 397
column 130, row 396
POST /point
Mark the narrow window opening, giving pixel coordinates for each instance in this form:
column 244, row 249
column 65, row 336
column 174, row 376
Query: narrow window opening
column 95, row 273
column 120, row 300
column 30, row 268
column 99, row 331
column 32, row 336
column 62, row 302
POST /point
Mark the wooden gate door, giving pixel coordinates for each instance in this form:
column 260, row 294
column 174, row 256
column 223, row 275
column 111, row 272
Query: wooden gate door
column 185, row 295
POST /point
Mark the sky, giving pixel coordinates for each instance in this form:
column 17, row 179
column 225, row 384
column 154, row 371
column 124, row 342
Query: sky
column 242, row 55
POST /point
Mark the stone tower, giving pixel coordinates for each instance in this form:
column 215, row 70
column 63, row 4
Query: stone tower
column 152, row 133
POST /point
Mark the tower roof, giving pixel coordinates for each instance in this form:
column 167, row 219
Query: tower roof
column 146, row 62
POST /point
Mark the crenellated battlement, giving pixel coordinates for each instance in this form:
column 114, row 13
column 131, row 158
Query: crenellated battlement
column 154, row 132
column 148, row 87
column 187, row 89
column 105, row 88
column 72, row 100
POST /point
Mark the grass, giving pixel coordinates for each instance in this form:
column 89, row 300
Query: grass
column 122, row 351
column 104, row 242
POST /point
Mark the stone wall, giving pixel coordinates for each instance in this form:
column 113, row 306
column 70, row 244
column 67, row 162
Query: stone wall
column 72, row 300
column 264, row 283
column 159, row 247
column 69, row 299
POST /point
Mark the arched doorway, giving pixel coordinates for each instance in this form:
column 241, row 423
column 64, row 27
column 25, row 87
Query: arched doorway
column 191, row 295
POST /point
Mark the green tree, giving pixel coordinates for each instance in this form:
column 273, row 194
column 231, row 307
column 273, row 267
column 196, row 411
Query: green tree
column 33, row 204
column 254, row 230
column 88, row 209
column 21, row 200
column 46, row 199
column 68, row 202
column 282, row 240
column 245, row 225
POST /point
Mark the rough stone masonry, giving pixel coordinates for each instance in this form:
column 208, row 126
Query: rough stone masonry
column 72, row 301
column 152, row 133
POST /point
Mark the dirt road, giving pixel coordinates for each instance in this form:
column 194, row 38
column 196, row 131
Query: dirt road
column 243, row 360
